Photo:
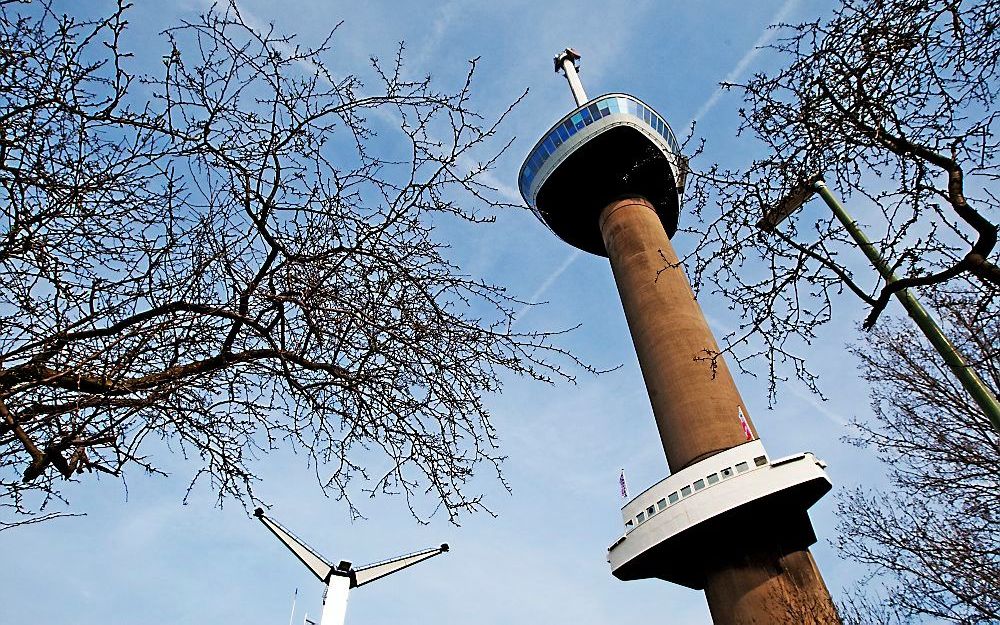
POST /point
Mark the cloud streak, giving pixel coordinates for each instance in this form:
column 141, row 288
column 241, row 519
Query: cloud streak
column 766, row 36
column 534, row 299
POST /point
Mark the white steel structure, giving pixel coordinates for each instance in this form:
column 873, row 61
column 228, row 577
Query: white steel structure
column 340, row 579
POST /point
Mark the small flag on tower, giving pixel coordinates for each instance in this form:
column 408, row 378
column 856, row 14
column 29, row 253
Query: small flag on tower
column 624, row 486
column 743, row 422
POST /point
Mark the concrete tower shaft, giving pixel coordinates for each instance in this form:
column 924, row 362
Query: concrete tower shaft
column 695, row 403
column 772, row 578
column 769, row 584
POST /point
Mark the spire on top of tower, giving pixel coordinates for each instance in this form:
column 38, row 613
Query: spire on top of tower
column 567, row 62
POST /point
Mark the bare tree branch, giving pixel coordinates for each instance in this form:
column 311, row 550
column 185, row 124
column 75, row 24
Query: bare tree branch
column 895, row 103
column 931, row 540
column 240, row 253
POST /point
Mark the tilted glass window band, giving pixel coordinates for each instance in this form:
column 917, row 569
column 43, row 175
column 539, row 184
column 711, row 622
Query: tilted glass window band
column 593, row 112
column 640, row 517
column 741, row 467
column 674, row 497
column 661, row 504
column 713, row 478
column 760, row 461
column 685, row 491
column 699, row 484
column 727, row 472
column 650, row 511
column 629, row 523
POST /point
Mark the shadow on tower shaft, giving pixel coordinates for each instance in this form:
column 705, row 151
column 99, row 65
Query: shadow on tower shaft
column 608, row 179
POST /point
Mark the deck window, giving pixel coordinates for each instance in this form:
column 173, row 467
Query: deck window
column 727, row 472
column 699, row 484
column 760, row 461
column 673, row 497
column 640, row 517
column 661, row 504
column 629, row 524
column 713, row 478
column 685, row 491
column 742, row 467
column 650, row 511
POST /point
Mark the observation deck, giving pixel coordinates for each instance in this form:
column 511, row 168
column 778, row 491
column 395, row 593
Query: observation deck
column 608, row 147
column 677, row 527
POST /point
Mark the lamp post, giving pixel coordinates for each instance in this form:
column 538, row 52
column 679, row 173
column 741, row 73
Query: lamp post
column 965, row 373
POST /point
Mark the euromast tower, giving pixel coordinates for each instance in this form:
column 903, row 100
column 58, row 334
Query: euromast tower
column 609, row 179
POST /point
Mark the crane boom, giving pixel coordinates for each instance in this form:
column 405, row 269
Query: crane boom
column 313, row 561
column 340, row 579
column 378, row 570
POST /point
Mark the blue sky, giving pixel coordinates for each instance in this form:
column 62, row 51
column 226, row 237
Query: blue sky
column 147, row 558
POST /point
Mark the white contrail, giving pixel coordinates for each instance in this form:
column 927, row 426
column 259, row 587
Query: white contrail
column 545, row 285
column 810, row 398
column 741, row 66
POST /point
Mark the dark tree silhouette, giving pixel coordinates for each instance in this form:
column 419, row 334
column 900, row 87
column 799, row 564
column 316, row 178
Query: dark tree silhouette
column 895, row 103
column 932, row 538
column 240, row 253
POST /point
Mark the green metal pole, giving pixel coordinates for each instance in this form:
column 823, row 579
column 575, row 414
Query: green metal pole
column 970, row 380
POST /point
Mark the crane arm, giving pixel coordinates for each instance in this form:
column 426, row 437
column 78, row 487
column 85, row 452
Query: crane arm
column 378, row 570
column 313, row 561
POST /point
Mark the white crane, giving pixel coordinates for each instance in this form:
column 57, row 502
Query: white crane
column 340, row 579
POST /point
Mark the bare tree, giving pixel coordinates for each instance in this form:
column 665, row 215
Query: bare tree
column 895, row 102
column 241, row 253
column 932, row 538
